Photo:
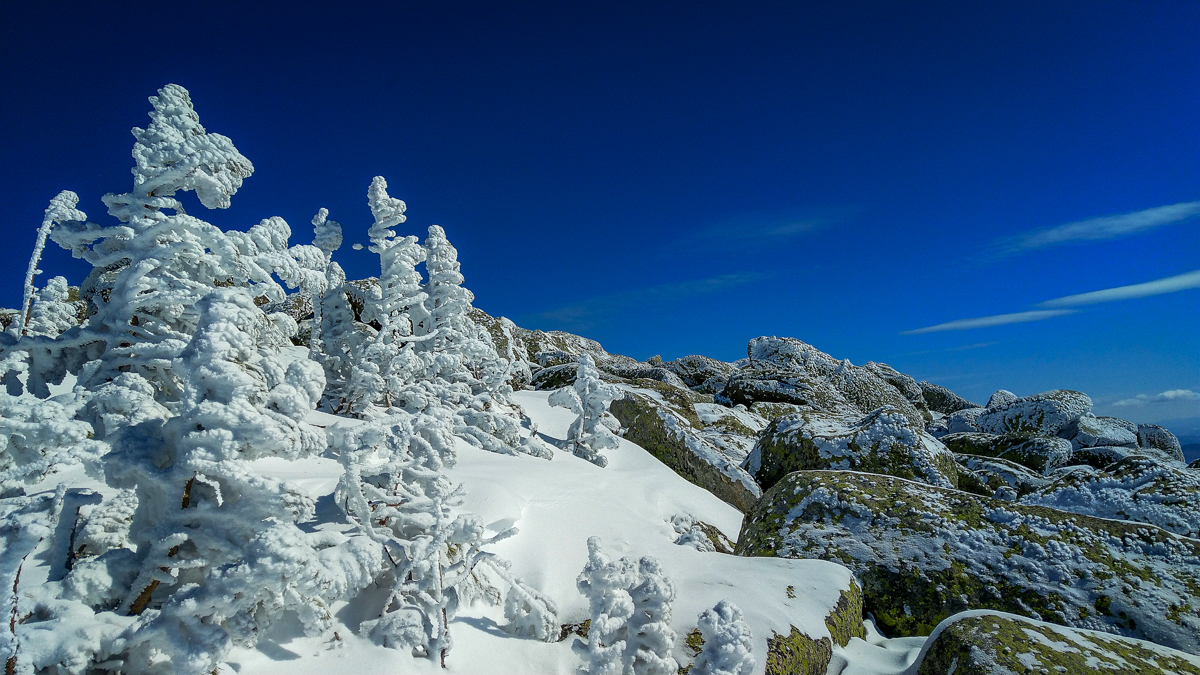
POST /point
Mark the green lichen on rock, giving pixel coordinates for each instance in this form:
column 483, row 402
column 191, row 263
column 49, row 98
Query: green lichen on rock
column 665, row 429
column 998, row 472
column 773, row 411
column 999, row 644
column 884, row 442
column 846, row 619
column 1043, row 414
column 923, row 553
column 797, row 654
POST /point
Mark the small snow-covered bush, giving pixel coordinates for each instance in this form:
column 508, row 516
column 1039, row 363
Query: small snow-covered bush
column 630, row 613
column 728, row 643
column 588, row 397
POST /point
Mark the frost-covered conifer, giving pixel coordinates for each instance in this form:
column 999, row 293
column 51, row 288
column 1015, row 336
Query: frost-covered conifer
column 218, row 555
column 53, row 313
column 728, row 643
column 588, row 398
column 630, row 612
column 62, row 209
column 393, row 485
column 327, row 236
column 152, row 269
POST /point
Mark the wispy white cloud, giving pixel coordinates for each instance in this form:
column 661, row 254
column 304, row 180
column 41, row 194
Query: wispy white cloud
column 1173, row 284
column 584, row 315
column 988, row 321
column 1165, row 397
column 1056, row 307
column 1108, row 227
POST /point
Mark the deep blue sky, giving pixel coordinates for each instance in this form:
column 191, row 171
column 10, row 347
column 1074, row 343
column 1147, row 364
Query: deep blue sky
column 675, row 178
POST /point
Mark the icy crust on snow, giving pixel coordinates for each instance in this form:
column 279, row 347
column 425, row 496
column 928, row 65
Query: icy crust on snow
column 985, row 642
column 923, row 553
column 1136, row 488
column 884, row 441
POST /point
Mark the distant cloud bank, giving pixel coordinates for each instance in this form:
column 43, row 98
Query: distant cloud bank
column 1173, row 284
column 1108, row 227
column 1165, row 397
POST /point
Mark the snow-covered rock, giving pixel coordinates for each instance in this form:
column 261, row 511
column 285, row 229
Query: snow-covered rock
column 1000, row 397
column 1135, row 488
column 1039, row 453
column 1090, row 431
column 695, row 370
column 666, row 425
column 883, row 442
column 984, row 642
column 1043, row 414
column 964, row 421
column 1155, row 438
column 941, row 399
column 999, row 473
column 924, row 553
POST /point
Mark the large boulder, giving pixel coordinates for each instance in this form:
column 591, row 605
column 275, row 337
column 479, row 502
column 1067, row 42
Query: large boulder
column 1039, row 453
column 997, row 643
column 1154, row 437
column 1007, row 480
column 1135, row 488
column 695, row 370
column 771, row 385
column 906, row 385
column 964, row 421
column 734, row 431
column 942, row 400
column 858, row 386
column 923, row 553
column 1042, row 414
column 1000, row 397
column 884, row 442
column 1090, row 432
column 666, row 425
column 1100, row 457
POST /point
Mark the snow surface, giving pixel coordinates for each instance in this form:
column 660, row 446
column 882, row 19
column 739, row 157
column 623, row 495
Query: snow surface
column 556, row 505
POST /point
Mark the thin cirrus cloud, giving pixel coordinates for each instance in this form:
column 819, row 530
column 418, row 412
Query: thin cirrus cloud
column 1165, row 397
column 586, row 314
column 1059, row 306
column 1107, row 227
column 763, row 226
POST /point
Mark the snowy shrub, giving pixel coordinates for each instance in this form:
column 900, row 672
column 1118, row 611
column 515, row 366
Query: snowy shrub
column 588, row 398
column 53, row 313
column 530, row 613
column 38, row 436
column 728, row 644
column 630, row 614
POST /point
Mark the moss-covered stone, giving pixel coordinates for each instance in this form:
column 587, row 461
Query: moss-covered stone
column 555, row 377
column 883, row 442
column 797, row 654
column 941, row 399
column 773, row 411
column 999, row 472
column 667, row 430
column 923, row 553
column 846, row 619
column 1039, row 453
column 1001, row 644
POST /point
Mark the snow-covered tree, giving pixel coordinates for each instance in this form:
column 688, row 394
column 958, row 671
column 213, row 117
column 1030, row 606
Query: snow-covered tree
column 61, row 209
column 393, row 485
column 53, row 312
column 630, row 606
column 588, row 397
column 327, row 236
column 217, row 552
column 728, row 643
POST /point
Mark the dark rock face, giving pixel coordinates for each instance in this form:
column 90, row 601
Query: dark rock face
column 695, row 370
column 941, row 399
column 994, row 643
column 923, row 553
column 883, row 442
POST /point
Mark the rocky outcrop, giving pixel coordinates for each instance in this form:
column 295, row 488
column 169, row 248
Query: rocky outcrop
column 695, row 370
column 906, row 385
column 1006, row 480
column 1154, row 437
column 997, row 643
column 923, row 553
column 665, row 424
column 1039, row 453
column 1135, row 488
column 1090, row 432
column 964, row 421
column 799, row 654
column 1000, row 397
column 883, row 442
column 941, row 399
column 1042, row 414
